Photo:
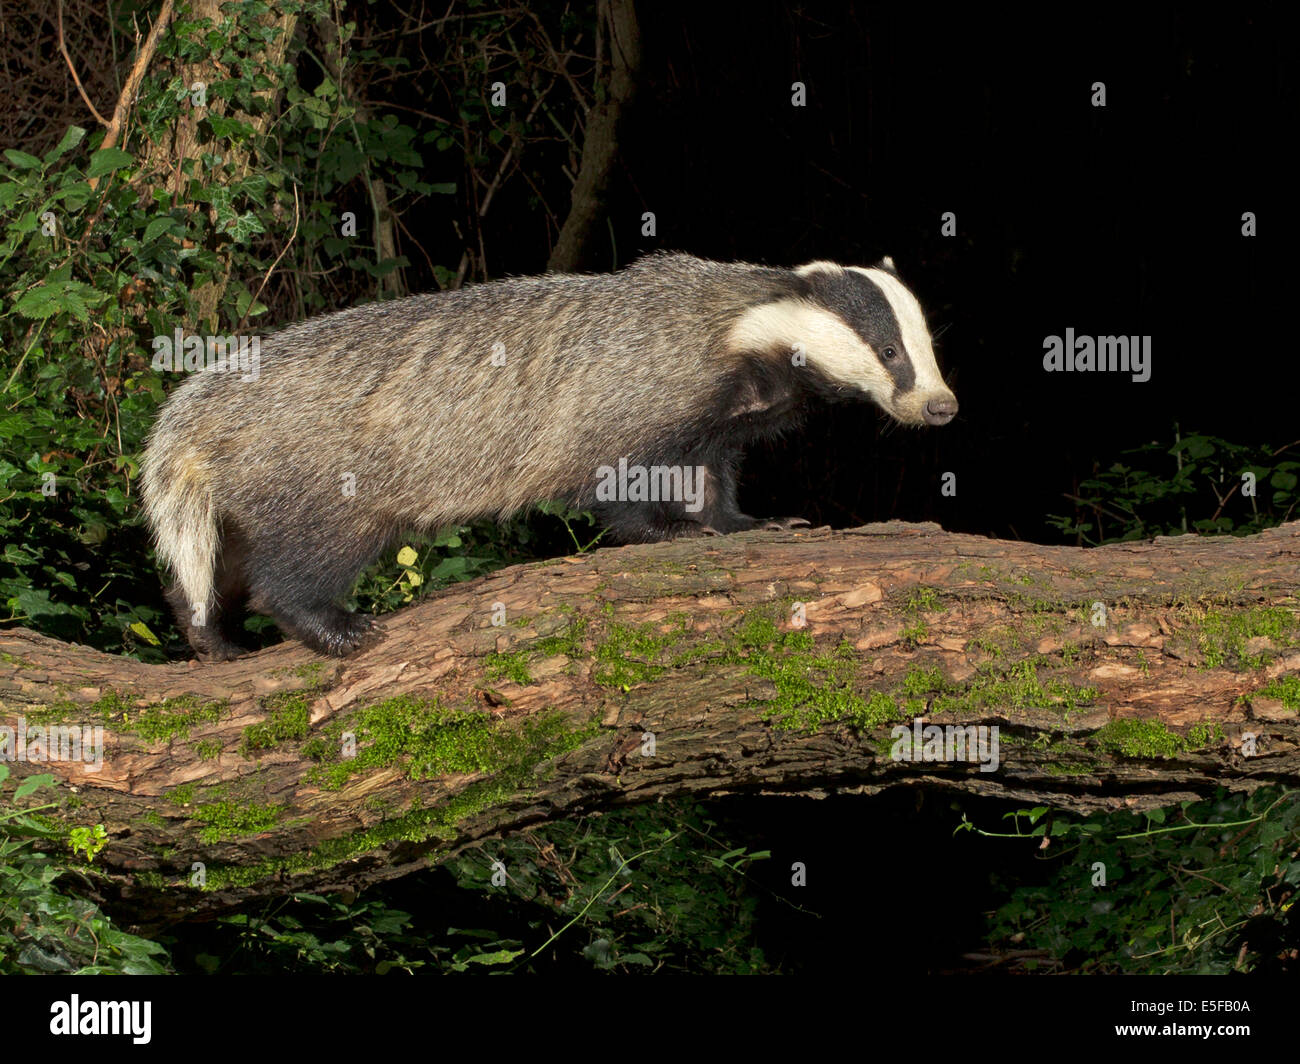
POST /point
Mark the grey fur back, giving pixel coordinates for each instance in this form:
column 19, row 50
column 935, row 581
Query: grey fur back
column 405, row 396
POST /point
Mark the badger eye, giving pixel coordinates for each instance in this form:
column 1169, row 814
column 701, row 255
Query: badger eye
column 890, row 354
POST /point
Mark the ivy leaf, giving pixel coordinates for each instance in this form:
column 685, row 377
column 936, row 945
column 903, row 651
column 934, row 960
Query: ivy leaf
column 105, row 162
column 158, row 226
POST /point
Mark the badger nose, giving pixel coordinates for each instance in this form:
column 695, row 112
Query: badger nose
column 940, row 411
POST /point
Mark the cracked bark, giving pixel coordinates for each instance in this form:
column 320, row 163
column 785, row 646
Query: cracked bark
column 992, row 609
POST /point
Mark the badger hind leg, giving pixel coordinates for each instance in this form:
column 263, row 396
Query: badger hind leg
column 217, row 637
column 214, row 639
column 299, row 583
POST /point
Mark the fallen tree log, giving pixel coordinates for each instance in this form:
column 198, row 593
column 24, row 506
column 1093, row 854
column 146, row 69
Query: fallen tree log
column 804, row 662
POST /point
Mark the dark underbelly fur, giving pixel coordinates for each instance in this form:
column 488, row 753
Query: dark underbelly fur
column 299, row 576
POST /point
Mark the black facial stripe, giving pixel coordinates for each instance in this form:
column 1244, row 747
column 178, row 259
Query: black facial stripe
column 865, row 309
column 901, row 369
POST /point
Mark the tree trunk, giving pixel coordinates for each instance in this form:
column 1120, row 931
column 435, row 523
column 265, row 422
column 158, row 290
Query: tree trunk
column 185, row 145
column 600, row 141
column 1133, row 675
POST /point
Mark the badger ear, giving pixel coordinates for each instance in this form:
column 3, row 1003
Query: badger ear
column 887, row 264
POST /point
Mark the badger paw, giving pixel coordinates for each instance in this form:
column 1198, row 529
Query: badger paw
column 217, row 649
column 688, row 530
column 338, row 633
column 782, row 524
column 354, row 633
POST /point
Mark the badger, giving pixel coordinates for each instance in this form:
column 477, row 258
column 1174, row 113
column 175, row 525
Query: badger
column 272, row 491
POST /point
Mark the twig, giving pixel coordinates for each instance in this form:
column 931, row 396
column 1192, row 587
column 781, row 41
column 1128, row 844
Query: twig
column 133, row 80
column 63, row 47
column 601, row 891
column 253, row 302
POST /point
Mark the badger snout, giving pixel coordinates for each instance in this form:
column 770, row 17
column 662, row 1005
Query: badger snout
column 940, row 411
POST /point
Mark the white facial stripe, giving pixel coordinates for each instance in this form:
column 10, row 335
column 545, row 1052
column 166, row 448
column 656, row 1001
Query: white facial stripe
column 820, row 265
column 911, row 322
column 827, row 342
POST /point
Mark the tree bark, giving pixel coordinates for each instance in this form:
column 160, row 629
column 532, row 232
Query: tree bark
column 1128, row 676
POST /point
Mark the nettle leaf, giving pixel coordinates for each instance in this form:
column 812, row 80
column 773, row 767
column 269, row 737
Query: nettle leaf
column 70, row 140
column 33, row 603
column 33, row 783
column 21, row 159
column 43, row 301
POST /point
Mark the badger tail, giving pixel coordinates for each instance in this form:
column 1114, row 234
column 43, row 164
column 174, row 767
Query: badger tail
column 177, row 493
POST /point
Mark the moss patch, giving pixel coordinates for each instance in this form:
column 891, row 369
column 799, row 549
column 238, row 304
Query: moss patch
column 924, row 600
column 228, row 820
column 207, row 749
column 170, row 719
column 628, row 654
column 513, row 757
column 428, row 740
column 994, row 688
column 624, row 654
column 919, row 600
column 1152, row 738
column 512, row 666
column 182, row 795
column 1286, row 689
column 1223, row 635
column 288, row 719
column 813, row 687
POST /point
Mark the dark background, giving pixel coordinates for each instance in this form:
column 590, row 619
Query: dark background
column 1117, row 220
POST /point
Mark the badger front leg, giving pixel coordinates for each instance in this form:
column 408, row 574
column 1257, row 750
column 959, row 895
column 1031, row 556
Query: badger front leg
column 720, row 512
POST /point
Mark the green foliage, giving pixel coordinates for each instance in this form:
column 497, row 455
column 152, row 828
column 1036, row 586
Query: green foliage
column 466, row 552
column 1199, row 888
column 1198, row 484
column 44, row 925
column 101, row 251
column 1286, row 689
column 658, row 887
column 654, row 888
column 88, row 840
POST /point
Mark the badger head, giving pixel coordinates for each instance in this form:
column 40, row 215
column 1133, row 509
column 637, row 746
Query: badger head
column 860, row 331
